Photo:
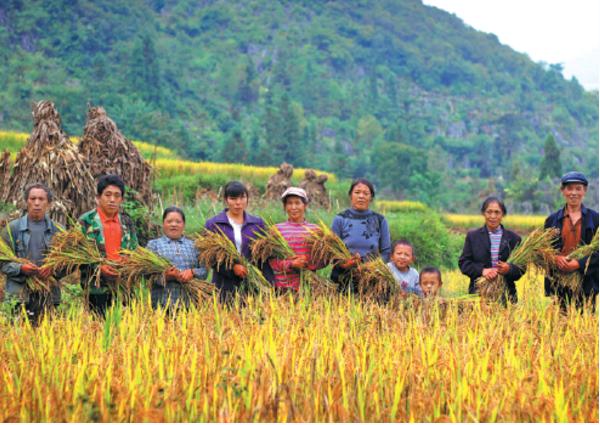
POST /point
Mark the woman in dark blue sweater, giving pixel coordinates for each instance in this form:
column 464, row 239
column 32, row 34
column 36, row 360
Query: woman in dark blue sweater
column 365, row 232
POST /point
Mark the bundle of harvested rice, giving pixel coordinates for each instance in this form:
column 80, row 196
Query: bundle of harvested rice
column 72, row 249
column 375, row 280
column 536, row 248
column 142, row 262
column 217, row 250
column 574, row 280
column 326, row 247
column 34, row 283
column 199, row 290
column 109, row 152
column 270, row 243
column 49, row 157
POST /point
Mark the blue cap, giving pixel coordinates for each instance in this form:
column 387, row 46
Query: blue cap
column 573, row 177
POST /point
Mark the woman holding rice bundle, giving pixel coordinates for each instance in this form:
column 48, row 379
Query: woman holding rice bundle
column 486, row 250
column 294, row 231
column 577, row 225
column 364, row 232
column 240, row 227
column 182, row 253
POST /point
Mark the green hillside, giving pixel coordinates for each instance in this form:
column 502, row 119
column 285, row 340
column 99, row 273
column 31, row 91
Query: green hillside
column 400, row 92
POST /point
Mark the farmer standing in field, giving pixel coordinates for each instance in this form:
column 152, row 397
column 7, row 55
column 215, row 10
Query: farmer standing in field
column 364, row 232
column 182, row 253
column 294, row 231
column 30, row 237
column 486, row 250
column 577, row 225
column 241, row 228
column 112, row 231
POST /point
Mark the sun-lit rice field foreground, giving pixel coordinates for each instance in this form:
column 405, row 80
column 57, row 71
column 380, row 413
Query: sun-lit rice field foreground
column 280, row 359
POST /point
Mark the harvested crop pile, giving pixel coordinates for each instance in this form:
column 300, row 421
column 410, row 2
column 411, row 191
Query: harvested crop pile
column 109, row 152
column 49, row 157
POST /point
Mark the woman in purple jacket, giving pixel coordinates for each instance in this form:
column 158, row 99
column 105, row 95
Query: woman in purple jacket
column 240, row 228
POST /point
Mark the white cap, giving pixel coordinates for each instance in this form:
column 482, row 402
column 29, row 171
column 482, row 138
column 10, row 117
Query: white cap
column 295, row 191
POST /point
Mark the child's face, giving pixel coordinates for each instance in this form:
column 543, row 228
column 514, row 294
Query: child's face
column 402, row 257
column 430, row 284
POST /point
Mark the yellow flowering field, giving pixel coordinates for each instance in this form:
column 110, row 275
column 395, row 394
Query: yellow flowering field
column 471, row 221
column 399, row 206
column 324, row 359
column 168, row 164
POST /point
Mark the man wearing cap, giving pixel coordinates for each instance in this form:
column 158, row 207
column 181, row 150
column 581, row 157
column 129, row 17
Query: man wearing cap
column 577, row 225
column 294, row 231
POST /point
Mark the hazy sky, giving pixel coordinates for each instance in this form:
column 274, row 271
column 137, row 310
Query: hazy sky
column 552, row 31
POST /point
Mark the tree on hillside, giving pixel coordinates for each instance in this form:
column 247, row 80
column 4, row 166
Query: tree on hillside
column 550, row 165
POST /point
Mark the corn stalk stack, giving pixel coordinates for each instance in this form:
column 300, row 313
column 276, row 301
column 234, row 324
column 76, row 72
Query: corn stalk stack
column 109, row 152
column 49, row 157
column 4, row 174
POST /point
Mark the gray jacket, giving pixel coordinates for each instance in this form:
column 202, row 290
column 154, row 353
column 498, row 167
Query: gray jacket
column 15, row 280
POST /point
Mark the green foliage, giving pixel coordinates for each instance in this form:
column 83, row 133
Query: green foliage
column 550, row 165
column 372, row 89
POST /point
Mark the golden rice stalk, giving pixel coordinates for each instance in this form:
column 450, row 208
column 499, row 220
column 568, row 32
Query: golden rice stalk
column 216, row 250
column 375, row 280
column 536, row 248
column 141, row 262
column 270, row 243
column 199, row 290
column 326, row 247
column 317, row 285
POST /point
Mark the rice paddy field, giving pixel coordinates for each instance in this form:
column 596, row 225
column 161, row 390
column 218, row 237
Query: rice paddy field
column 302, row 359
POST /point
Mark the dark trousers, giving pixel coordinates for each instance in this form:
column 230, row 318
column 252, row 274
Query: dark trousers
column 99, row 303
column 581, row 300
column 36, row 307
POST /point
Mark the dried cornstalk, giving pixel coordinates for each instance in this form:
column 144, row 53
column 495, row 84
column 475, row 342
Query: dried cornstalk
column 110, row 152
column 4, row 175
column 49, row 157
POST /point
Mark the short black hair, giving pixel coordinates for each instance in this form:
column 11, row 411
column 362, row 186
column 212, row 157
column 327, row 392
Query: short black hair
column 491, row 199
column 235, row 189
column 38, row 186
column 365, row 182
column 402, row 242
column 430, row 269
column 110, row 180
column 174, row 209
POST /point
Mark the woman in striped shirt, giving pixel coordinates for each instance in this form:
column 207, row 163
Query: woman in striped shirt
column 294, row 231
column 486, row 250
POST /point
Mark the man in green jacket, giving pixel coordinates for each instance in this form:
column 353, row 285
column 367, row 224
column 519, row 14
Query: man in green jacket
column 30, row 237
column 112, row 231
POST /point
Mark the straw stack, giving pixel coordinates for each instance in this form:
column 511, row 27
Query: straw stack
column 109, row 152
column 49, row 157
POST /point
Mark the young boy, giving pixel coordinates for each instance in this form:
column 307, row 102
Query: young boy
column 430, row 281
column 400, row 265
